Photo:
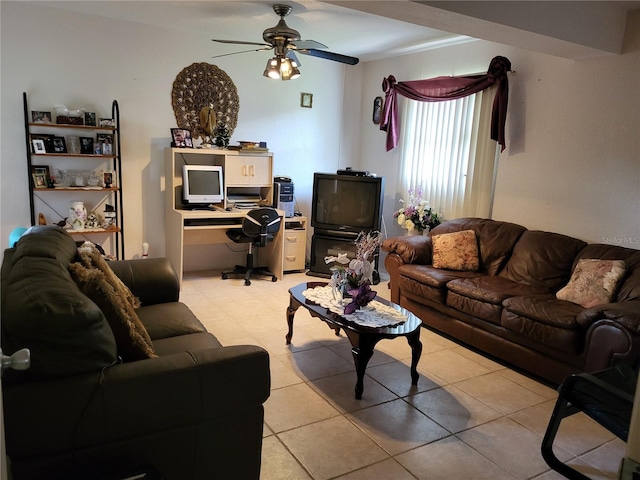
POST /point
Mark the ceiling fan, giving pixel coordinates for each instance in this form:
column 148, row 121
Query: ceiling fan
column 286, row 42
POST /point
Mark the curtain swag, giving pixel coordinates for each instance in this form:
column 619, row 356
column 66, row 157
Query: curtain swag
column 448, row 88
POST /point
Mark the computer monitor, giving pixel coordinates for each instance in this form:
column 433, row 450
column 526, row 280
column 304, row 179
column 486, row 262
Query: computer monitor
column 202, row 184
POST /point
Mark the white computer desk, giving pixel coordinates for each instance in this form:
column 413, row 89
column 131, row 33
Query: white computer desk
column 181, row 232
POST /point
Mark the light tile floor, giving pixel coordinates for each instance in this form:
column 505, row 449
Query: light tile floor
column 468, row 418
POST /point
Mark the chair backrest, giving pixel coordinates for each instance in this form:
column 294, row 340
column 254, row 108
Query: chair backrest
column 261, row 223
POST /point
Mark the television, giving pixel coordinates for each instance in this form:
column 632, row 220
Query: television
column 202, row 184
column 347, row 204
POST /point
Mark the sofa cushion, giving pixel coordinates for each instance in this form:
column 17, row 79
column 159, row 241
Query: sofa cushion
column 593, row 282
column 545, row 320
column 96, row 280
column 44, row 310
column 542, row 260
column 170, row 319
column 482, row 297
column 456, row 251
column 427, row 281
column 495, row 239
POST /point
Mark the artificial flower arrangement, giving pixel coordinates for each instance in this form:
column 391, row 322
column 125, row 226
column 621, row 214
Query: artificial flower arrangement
column 417, row 214
column 355, row 276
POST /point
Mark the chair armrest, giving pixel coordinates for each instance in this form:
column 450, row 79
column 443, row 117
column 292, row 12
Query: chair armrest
column 152, row 280
column 626, row 314
column 416, row 249
column 135, row 399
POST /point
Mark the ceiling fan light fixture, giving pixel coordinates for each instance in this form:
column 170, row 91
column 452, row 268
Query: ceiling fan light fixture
column 273, row 68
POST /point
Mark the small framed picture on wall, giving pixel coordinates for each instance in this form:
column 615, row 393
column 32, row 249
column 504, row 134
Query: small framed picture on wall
column 38, row 145
column 90, row 119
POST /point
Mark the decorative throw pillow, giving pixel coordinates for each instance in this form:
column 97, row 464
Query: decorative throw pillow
column 456, row 251
column 593, row 282
column 98, row 282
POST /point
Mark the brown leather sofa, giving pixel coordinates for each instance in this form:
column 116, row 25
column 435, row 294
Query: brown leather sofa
column 195, row 411
column 508, row 307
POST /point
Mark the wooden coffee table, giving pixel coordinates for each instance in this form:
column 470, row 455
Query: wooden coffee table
column 363, row 339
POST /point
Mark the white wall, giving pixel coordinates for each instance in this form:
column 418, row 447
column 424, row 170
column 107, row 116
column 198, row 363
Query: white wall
column 572, row 163
column 58, row 56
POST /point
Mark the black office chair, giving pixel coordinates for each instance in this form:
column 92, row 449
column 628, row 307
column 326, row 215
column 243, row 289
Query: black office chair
column 258, row 228
column 605, row 396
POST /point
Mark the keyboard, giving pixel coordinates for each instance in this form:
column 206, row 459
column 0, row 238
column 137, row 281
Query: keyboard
column 203, row 222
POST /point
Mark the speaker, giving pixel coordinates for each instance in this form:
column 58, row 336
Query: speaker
column 283, row 195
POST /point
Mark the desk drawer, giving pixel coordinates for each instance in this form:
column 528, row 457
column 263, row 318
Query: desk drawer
column 294, row 250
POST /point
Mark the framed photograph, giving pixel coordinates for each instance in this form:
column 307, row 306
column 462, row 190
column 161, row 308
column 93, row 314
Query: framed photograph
column 86, row 145
column 40, row 117
column 41, row 176
column 46, row 139
column 181, row 138
column 306, row 100
column 107, row 122
column 107, row 179
column 105, row 143
column 59, row 145
column 38, row 146
column 377, row 107
column 90, row 119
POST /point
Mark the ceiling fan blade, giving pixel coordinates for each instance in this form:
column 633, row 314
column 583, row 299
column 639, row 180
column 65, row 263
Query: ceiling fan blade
column 243, row 51
column 336, row 57
column 307, row 44
column 240, row 42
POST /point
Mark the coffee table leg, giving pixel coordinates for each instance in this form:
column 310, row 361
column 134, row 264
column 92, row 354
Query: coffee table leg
column 416, row 351
column 291, row 311
column 362, row 351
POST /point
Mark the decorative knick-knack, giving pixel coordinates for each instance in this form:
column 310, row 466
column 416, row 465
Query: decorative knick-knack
column 77, row 215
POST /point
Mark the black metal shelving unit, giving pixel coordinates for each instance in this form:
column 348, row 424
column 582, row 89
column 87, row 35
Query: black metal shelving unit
column 111, row 194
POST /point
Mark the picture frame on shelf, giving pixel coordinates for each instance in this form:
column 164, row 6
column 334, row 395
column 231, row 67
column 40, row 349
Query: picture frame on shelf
column 108, row 179
column 107, row 122
column 90, row 119
column 40, row 117
column 59, row 145
column 86, row 145
column 38, row 146
column 47, row 139
column 41, row 176
column 181, row 138
column 105, row 141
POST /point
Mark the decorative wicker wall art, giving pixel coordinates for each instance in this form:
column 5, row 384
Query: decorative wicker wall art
column 199, row 85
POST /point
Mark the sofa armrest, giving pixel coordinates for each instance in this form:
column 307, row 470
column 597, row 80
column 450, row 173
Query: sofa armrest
column 134, row 399
column 416, row 249
column 152, row 280
column 626, row 314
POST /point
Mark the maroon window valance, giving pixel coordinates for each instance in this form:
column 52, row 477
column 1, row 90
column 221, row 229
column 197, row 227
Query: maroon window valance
column 448, row 88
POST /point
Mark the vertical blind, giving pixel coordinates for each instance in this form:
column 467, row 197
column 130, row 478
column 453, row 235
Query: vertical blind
column 442, row 156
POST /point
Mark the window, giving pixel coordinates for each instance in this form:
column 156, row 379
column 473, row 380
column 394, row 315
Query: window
column 446, row 153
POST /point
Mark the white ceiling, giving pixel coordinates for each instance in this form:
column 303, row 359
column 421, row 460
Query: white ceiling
column 372, row 30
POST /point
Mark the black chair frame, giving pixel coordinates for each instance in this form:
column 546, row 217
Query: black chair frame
column 605, row 396
column 258, row 228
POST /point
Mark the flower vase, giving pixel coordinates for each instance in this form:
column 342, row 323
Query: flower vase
column 426, row 230
column 412, row 232
column 77, row 215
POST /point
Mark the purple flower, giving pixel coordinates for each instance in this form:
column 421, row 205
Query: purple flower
column 361, row 297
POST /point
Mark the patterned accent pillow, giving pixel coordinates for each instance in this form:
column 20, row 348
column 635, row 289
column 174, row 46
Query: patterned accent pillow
column 593, row 282
column 456, row 251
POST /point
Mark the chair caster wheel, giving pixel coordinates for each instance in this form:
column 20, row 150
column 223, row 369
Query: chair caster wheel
column 274, row 279
column 225, row 276
column 247, row 283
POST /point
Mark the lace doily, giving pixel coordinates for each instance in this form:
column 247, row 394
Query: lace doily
column 375, row 314
column 199, row 85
